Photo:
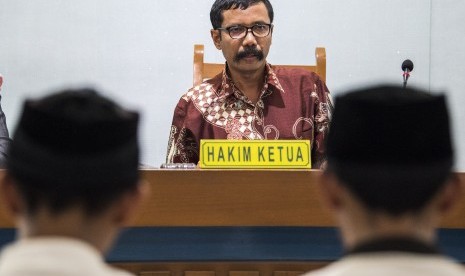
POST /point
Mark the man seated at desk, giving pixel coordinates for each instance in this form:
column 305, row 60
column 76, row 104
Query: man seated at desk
column 249, row 99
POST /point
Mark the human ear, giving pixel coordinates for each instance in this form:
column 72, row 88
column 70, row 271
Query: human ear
column 450, row 194
column 10, row 196
column 216, row 37
column 130, row 203
column 331, row 192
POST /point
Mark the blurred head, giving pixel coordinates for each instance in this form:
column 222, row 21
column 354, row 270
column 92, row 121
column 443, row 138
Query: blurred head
column 242, row 30
column 390, row 147
column 71, row 149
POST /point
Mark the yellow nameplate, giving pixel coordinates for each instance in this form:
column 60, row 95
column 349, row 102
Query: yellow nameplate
column 215, row 153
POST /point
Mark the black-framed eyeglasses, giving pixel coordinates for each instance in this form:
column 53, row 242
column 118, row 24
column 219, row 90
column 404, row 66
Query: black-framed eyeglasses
column 239, row 31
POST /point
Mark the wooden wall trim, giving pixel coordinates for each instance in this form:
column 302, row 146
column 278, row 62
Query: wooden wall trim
column 220, row 268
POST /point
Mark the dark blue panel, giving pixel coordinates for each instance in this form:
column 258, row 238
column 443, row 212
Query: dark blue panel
column 6, row 236
column 146, row 244
column 227, row 244
column 452, row 243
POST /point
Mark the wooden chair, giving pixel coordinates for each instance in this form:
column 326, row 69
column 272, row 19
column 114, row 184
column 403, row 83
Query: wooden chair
column 203, row 71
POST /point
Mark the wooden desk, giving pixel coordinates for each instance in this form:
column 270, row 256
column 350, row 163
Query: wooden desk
column 239, row 198
column 228, row 198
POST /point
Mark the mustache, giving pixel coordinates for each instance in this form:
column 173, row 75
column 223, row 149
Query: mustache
column 249, row 51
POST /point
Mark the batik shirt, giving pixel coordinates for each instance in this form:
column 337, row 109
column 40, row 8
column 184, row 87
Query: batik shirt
column 293, row 104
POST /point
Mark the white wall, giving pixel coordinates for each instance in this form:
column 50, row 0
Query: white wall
column 140, row 51
column 448, row 64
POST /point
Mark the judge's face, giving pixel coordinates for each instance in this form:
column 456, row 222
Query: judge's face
column 246, row 54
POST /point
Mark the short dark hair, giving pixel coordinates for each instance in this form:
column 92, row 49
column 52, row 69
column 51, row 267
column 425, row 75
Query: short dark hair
column 216, row 13
column 74, row 148
column 391, row 147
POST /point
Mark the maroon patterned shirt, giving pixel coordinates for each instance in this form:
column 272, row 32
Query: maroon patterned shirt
column 294, row 104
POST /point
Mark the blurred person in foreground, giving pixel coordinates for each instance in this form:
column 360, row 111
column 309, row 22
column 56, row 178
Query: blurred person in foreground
column 389, row 182
column 71, row 182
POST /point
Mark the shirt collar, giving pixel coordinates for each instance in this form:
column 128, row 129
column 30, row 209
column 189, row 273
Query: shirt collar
column 271, row 84
column 400, row 244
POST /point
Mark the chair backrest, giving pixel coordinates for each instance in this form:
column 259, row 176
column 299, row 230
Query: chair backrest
column 203, row 71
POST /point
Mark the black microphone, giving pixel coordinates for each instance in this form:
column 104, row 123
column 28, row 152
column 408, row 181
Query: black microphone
column 407, row 67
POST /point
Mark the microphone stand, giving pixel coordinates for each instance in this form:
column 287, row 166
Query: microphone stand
column 406, row 76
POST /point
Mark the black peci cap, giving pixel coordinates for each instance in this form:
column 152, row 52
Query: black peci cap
column 389, row 125
column 390, row 146
column 75, row 138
